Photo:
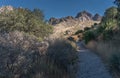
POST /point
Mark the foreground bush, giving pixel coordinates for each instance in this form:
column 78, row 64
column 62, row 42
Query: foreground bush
column 61, row 54
column 18, row 54
column 23, row 56
column 115, row 61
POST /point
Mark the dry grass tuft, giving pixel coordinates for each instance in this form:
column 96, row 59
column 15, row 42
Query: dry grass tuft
column 61, row 55
column 110, row 54
column 23, row 56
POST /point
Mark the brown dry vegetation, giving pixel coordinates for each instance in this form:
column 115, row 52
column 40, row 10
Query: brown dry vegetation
column 23, row 56
column 109, row 51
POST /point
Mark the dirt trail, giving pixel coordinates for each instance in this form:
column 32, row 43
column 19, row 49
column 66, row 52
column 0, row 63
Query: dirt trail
column 90, row 65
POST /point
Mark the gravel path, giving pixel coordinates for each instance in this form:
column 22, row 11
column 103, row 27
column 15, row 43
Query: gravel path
column 90, row 65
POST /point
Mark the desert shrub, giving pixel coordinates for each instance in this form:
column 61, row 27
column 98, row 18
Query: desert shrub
column 87, row 28
column 109, row 51
column 23, row 56
column 114, row 61
column 107, row 34
column 108, row 24
column 79, row 31
column 89, row 35
column 25, row 20
column 18, row 54
column 61, row 54
column 100, row 29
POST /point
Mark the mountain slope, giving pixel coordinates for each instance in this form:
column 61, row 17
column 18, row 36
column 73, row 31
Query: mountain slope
column 79, row 22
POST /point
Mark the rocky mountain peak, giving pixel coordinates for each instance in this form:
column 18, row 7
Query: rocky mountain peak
column 84, row 14
column 97, row 17
column 69, row 17
column 80, row 17
column 53, row 21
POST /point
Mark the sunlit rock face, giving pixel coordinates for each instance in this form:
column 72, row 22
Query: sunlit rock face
column 69, row 23
column 84, row 16
column 80, row 17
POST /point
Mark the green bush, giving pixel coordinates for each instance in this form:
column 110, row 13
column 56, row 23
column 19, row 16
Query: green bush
column 79, row 31
column 115, row 61
column 107, row 34
column 89, row 35
column 25, row 20
column 100, row 30
column 87, row 28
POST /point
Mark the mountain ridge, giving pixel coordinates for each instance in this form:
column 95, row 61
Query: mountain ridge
column 81, row 16
column 79, row 22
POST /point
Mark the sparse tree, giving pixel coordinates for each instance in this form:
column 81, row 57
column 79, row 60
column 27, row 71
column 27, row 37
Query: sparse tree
column 111, row 12
column 38, row 13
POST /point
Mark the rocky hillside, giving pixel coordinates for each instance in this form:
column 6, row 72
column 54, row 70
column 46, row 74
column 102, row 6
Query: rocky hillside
column 80, row 21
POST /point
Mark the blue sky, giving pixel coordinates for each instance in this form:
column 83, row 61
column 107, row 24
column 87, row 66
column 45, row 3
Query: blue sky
column 62, row 8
